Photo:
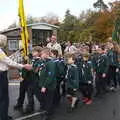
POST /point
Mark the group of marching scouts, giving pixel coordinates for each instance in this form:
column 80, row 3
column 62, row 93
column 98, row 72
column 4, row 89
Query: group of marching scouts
column 53, row 76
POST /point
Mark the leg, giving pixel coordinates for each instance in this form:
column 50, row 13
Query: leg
column 4, row 98
column 22, row 90
column 30, row 106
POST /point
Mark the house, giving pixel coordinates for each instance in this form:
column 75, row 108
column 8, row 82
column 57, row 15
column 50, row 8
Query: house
column 38, row 33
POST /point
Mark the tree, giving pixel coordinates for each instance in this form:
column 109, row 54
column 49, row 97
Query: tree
column 13, row 25
column 116, row 32
column 68, row 27
column 100, row 5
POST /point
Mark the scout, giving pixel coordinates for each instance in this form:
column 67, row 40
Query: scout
column 86, row 81
column 47, row 83
column 101, row 71
column 60, row 74
column 113, row 61
column 26, row 85
column 72, row 77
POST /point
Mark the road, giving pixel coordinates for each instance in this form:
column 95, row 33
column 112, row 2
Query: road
column 106, row 107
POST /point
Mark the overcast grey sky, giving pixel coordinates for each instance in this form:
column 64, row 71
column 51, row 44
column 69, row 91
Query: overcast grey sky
column 37, row 8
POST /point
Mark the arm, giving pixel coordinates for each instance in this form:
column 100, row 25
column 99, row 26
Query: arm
column 6, row 60
column 11, row 63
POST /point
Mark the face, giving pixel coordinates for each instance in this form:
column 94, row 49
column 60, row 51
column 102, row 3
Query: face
column 70, row 61
column 35, row 54
column 110, row 45
column 53, row 39
column 52, row 55
column 44, row 55
column 85, row 58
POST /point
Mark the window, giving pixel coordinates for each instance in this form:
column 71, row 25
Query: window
column 13, row 44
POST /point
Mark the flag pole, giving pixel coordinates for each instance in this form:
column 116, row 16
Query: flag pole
column 24, row 31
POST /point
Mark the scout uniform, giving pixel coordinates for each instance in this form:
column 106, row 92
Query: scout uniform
column 72, row 84
column 5, row 62
column 47, row 79
column 38, row 65
column 26, row 85
column 113, row 61
column 86, row 81
column 60, row 76
column 79, row 62
column 101, row 68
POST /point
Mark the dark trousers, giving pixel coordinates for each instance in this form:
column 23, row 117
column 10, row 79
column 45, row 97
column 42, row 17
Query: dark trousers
column 86, row 90
column 25, row 86
column 47, row 101
column 4, row 98
column 112, row 81
column 101, row 83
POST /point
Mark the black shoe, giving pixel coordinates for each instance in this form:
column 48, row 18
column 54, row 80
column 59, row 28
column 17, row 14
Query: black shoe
column 18, row 107
column 29, row 110
column 10, row 118
column 45, row 118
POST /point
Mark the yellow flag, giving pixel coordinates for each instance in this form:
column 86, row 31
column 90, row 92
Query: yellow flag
column 24, row 31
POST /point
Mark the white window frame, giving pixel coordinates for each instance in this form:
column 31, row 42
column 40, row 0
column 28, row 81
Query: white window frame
column 11, row 46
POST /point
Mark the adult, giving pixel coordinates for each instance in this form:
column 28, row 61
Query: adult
column 70, row 47
column 54, row 45
column 5, row 63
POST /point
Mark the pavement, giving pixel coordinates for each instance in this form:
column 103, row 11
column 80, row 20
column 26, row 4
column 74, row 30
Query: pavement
column 106, row 107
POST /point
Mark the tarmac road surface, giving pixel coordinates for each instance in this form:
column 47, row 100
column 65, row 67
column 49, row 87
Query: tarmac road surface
column 106, row 107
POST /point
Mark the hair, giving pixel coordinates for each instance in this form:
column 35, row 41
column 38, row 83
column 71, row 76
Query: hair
column 116, row 47
column 103, row 47
column 71, row 42
column 55, row 52
column 45, row 50
column 3, row 40
column 86, row 55
column 37, row 49
column 70, row 55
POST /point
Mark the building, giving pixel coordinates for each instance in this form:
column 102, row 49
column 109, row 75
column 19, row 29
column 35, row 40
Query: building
column 38, row 34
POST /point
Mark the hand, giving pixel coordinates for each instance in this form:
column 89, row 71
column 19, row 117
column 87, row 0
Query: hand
column 103, row 75
column 27, row 66
column 89, row 82
column 117, row 70
column 43, row 90
column 75, row 90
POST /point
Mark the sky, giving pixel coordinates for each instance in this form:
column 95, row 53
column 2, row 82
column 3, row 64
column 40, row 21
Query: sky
column 39, row 8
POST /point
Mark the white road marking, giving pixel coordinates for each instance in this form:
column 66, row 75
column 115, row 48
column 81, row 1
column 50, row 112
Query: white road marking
column 29, row 116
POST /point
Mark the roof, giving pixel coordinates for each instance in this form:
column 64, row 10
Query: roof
column 31, row 25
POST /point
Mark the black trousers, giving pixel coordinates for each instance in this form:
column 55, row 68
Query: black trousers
column 112, row 81
column 101, row 83
column 47, row 101
column 4, row 97
column 26, row 86
column 86, row 90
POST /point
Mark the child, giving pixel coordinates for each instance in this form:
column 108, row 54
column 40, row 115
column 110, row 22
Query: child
column 60, row 75
column 27, row 84
column 47, row 83
column 101, row 71
column 72, row 80
column 86, row 80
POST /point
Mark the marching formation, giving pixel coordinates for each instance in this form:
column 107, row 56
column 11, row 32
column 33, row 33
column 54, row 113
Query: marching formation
column 54, row 76
column 51, row 75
